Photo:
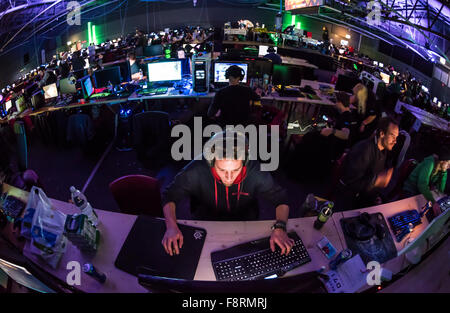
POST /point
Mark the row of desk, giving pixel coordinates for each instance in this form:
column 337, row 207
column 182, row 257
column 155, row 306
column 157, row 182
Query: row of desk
column 423, row 117
column 114, row 228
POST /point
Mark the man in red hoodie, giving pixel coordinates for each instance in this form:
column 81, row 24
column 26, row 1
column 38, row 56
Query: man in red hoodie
column 225, row 188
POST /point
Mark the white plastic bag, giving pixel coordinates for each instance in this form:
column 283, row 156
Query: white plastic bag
column 47, row 228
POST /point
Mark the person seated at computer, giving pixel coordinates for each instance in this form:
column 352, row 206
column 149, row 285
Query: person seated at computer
column 134, row 66
column 225, row 186
column 365, row 170
column 313, row 157
column 46, row 77
column 429, row 174
column 78, row 63
column 367, row 109
column 273, row 56
column 231, row 105
column 64, row 66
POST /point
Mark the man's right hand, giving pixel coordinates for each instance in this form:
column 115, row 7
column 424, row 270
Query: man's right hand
column 383, row 178
column 172, row 240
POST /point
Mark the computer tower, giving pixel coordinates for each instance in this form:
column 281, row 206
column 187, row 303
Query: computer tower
column 200, row 74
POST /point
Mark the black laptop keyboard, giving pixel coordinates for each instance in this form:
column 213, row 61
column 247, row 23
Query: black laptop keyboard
column 255, row 260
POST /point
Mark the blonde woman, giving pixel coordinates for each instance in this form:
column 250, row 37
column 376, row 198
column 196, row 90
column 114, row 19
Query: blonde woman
column 366, row 108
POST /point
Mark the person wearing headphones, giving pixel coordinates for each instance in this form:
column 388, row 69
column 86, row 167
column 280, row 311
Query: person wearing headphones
column 273, row 56
column 231, row 105
column 225, row 185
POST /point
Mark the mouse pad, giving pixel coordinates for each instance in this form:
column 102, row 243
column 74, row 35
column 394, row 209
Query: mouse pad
column 143, row 248
column 373, row 249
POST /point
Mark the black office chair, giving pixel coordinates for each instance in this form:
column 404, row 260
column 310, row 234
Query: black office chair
column 151, row 138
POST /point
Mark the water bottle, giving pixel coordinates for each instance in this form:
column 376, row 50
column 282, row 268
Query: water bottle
column 79, row 199
column 89, row 269
column 324, row 215
column 141, row 74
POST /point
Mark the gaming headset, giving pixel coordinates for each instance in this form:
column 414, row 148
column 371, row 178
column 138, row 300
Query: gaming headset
column 235, row 71
column 216, row 145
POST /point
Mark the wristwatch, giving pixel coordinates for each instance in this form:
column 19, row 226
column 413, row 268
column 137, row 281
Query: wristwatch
column 279, row 225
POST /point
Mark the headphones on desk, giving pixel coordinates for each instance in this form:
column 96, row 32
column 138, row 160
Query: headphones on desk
column 235, row 71
column 217, row 146
column 363, row 229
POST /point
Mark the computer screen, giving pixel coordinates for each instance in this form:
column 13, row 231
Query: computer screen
column 286, row 75
column 221, row 67
column 67, row 86
column 164, row 71
column 22, row 276
column 385, row 77
column 8, row 105
column 375, row 63
column 153, row 50
column 87, row 87
column 125, row 71
column 263, row 50
column 50, row 91
column 103, row 78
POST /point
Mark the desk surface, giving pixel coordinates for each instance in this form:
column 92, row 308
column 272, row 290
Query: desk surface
column 114, row 228
column 428, row 118
column 171, row 94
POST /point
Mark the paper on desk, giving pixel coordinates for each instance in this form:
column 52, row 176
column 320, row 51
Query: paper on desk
column 349, row 277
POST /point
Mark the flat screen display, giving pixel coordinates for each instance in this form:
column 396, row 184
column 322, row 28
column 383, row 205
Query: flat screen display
column 50, row 91
column 385, row 77
column 220, row 68
column 164, row 71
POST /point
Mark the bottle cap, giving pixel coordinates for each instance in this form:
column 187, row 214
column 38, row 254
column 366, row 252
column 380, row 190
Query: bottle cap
column 86, row 267
column 72, row 189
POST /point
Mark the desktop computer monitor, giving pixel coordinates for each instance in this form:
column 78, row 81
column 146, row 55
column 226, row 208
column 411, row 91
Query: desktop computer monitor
column 106, row 76
column 385, row 77
column 50, row 91
column 300, row 283
column 164, row 71
column 67, row 86
column 286, row 75
column 221, row 67
column 8, row 105
column 263, row 50
column 125, row 70
column 20, row 104
column 86, row 84
column 346, row 83
column 153, row 50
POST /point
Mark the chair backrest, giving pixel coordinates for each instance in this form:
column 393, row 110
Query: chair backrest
column 403, row 173
column 150, row 126
column 137, row 194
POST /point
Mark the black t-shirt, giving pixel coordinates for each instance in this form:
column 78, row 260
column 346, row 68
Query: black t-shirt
column 234, row 104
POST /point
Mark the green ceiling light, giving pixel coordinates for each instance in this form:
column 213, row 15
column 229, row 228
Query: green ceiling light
column 293, row 20
column 299, row 25
column 94, row 35
column 90, row 32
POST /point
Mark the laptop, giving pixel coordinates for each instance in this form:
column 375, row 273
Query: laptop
column 143, row 248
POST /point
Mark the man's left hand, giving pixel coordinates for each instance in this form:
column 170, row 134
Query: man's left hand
column 282, row 240
column 326, row 132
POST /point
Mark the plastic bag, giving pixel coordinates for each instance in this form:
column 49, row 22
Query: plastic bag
column 47, row 228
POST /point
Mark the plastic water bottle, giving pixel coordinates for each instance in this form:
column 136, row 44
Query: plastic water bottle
column 79, row 199
column 141, row 75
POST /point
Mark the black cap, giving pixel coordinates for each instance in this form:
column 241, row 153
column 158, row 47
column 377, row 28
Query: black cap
column 444, row 154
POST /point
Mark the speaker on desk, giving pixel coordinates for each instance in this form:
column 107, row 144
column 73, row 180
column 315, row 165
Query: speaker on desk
column 200, row 75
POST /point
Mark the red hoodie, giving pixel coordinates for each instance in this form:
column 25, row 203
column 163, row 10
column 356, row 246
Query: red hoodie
column 237, row 181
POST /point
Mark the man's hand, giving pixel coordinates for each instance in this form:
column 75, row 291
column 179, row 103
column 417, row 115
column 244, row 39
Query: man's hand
column 384, row 178
column 173, row 240
column 280, row 238
column 326, row 131
column 436, row 209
